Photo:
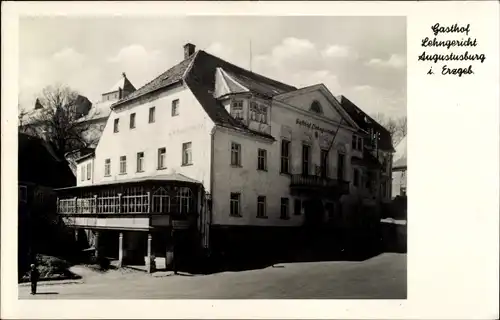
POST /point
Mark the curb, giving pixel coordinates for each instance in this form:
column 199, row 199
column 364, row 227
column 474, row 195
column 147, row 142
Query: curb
column 51, row 283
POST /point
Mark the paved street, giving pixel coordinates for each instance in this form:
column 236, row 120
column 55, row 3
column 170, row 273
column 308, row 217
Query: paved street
column 381, row 277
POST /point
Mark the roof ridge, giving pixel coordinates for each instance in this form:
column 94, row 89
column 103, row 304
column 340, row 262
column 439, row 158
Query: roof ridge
column 137, row 93
column 249, row 71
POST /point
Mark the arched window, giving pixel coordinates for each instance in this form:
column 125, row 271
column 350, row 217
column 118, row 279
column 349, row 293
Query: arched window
column 316, row 107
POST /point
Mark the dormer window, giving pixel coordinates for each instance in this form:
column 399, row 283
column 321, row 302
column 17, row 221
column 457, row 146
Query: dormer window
column 258, row 112
column 316, row 107
column 237, row 109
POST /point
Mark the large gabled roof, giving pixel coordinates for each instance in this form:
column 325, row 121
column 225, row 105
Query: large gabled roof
column 201, row 80
column 122, row 84
column 366, row 122
column 198, row 72
column 167, row 78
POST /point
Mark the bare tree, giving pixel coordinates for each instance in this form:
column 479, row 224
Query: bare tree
column 402, row 126
column 396, row 127
column 55, row 119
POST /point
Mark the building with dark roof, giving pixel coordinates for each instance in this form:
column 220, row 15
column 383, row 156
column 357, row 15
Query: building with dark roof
column 217, row 153
column 399, row 169
column 40, row 171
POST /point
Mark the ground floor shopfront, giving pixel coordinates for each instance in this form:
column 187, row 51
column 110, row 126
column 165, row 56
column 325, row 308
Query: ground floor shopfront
column 149, row 250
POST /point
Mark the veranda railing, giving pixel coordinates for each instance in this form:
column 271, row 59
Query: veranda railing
column 108, row 204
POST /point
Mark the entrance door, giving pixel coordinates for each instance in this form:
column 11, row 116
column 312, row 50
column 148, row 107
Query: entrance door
column 314, row 211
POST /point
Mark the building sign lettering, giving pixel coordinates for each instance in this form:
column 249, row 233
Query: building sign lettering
column 312, row 126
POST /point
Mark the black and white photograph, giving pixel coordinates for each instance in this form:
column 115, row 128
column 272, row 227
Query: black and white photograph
column 212, row 157
column 249, row 160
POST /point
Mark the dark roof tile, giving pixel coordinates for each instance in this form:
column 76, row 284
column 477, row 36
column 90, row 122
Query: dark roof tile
column 359, row 116
column 165, row 79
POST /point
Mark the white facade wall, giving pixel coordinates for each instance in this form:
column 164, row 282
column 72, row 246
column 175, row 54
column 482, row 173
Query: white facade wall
column 251, row 183
column 290, row 119
column 87, row 179
column 191, row 125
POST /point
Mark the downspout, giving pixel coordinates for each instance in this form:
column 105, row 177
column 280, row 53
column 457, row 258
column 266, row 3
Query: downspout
column 212, row 155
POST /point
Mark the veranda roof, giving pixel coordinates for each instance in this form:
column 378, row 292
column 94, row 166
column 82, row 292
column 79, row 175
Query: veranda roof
column 178, row 177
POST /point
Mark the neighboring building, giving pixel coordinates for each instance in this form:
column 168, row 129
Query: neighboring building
column 97, row 116
column 374, row 165
column 223, row 153
column 399, row 170
column 35, row 120
column 39, row 172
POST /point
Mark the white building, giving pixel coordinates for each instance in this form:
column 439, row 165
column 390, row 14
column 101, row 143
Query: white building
column 399, row 168
column 95, row 118
column 223, row 153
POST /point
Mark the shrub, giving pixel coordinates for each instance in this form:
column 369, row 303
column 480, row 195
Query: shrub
column 51, row 268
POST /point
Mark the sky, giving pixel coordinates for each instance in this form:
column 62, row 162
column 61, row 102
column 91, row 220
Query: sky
column 362, row 58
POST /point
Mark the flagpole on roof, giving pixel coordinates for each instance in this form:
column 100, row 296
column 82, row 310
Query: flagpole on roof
column 250, row 55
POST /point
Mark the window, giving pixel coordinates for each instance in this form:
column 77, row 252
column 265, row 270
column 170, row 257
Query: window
column 258, row 112
column 262, row 159
column 284, row 208
column 356, row 177
column 324, row 163
column 132, row 120
column 23, row 193
column 235, row 154
column 253, row 111
column 357, row 143
column 261, row 207
column 82, row 172
column 305, row 159
column 175, row 107
column 235, row 205
column 123, row 164
column 297, row 207
column 185, row 199
column 161, row 158
column 107, row 167
column 316, row 107
column 89, row 168
column 140, row 161
column 263, row 114
column 39, row 197
column 152, row 114
column 116, row 125
column 237, row 109
column 285, row 156
column 186, row 154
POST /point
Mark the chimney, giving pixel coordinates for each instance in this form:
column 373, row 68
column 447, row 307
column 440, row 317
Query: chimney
column 189, row 49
